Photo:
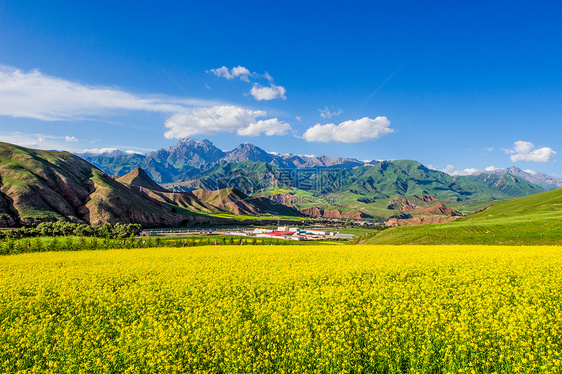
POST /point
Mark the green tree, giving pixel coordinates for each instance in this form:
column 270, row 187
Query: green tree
column 7, row 246
column 53, row 245
column 94, row 243
column 27, row 246
column 38, row 245
column 68, row 244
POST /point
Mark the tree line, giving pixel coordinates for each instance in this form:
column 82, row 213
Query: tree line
column 60, row 228
column 10, row 246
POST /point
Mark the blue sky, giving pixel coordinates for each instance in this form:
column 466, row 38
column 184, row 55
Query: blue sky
column 472, row 84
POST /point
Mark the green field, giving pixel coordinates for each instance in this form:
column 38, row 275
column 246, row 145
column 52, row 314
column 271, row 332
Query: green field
column 268, row 309
column 531, row 220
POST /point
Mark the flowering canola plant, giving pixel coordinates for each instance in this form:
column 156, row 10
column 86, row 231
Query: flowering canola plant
column 318, row 309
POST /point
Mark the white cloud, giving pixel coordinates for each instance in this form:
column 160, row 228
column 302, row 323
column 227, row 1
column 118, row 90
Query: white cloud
column 39, row 141
column 270, row 127
column 326, row 113
column 524, row 151
column 24, row 140
column 241, row 72
column 489, row 149
column 520, row 147
column 236, row 72
column 36, row 95
column 467, row 171
column 268, row 77
column 491, row 168
column 258, row 91
column 451, row 170
column 544, row 154
column 100, row 151
column 223, row 118
column 60, row 143
column 110, row 151
column 349, row 131
column 529, row 171
column 268, row 93
column 298, row 118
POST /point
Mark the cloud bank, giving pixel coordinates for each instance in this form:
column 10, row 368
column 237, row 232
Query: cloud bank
column 349, row 131
column 451, row 170
column 223, row 118
column 36, row 95
column 525, row 151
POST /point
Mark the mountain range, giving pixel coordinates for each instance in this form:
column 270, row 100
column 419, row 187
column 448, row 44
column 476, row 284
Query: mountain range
column 326, row 186
column 210, row 185
column 547, row 182
column 37, row 186
column 184, row 160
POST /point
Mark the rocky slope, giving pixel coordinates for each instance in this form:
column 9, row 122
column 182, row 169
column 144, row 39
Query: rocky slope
column 226, row 200
column 40, row 186
column 319, row 212
column 545, row 181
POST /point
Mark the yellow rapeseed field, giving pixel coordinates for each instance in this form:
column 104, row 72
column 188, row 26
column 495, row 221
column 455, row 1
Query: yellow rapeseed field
column 325, row 309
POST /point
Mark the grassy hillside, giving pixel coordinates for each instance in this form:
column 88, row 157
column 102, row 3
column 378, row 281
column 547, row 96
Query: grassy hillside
column 247, row 176
column 380, row 190
column 533, row 219
column 38, row 186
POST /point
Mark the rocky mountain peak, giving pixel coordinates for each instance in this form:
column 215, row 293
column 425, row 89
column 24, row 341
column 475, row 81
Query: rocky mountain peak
column 140, row 178
column 189, row 151
column 247, row 152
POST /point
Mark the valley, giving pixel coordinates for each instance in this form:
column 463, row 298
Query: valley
column 212, row 187
column 325, row 187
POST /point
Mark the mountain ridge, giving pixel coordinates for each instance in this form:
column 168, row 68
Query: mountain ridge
column 184, row 159
column 545, row 181
column 188, row 156
column 38, row 186
column 345, row 185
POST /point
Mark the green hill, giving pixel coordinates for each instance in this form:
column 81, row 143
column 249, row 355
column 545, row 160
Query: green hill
column 410, row 178
column 532, row 220
column 369, row 190
column 247, row 176
column 37, row 186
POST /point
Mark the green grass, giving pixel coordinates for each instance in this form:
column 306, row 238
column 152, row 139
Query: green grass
column 531, row 220
column 353, row 230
